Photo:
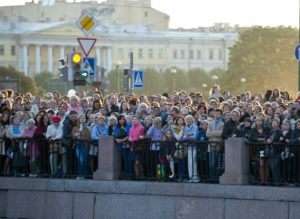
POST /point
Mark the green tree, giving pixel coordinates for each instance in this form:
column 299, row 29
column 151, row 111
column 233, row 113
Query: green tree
column 153, row 82
column 264, row 57
column 198, row 77
column 26, row 84
column 112, row 80
column 179, row 79
column 43, row 79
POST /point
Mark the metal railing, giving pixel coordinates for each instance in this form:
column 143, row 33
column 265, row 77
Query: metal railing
column 194, row 161
column 191, row 161
column 39, row 157
column 274, row 164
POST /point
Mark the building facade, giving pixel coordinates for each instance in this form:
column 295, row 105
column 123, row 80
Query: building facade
column 34, row 47
column 108, row 13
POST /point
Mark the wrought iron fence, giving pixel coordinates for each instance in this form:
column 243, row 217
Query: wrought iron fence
column 274, row 164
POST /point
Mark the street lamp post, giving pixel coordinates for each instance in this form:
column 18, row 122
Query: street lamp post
column 243, row 80
column 173, row 72
column 215, row 77
column 118, row 75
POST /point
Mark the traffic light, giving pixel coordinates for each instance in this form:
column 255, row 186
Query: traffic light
column 126, row 80
column 79, row 75
column 63, row 69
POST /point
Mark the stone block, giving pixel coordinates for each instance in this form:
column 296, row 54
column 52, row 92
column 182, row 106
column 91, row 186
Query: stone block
column 236, row 162
column 58, row 205
column 134, row 207
column 236, row 209
column 93, row 186
column 130, row 187
column 3, row 204
column 189, row 208
column 159, row 188
column 83, row 206
column 277, row 194
column 218, row 191
column 26, row 204
column 109, row 160
column 294, row 210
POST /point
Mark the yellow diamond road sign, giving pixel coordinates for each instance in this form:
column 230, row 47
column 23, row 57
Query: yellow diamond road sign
column 87, row 23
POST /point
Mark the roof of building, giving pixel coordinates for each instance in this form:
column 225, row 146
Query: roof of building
column 138, row 31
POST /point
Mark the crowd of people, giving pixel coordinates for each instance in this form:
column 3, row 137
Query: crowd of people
column 46, row 135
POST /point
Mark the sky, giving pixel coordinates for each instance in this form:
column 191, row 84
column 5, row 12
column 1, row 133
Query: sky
column 201, row 13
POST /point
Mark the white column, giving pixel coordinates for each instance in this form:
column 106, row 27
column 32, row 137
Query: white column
column 98, row 56
column 109, row 59
column 20, row 59
column 50, row 59
column 25, row 59
column 98, row 64
column 38, row 59
column 62, row 52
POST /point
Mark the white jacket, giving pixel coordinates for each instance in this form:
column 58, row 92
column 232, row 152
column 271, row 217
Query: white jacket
column 54, row 132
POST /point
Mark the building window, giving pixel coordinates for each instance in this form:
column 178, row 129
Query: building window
column 175, row 56
column 199, row 56
column 141, row 55
column 161, row 54
column 221, row 54
column 146, row 14
column 211, row 54
column 2, row 50
column 182, row 54
column 191, row 54
column 13, row 50
column 150, row 53
column 120, row 53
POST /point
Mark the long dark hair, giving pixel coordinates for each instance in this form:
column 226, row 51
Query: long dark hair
column 119, row 118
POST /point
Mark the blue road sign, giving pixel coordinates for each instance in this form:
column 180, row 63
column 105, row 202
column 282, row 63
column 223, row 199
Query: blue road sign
column 89, row 64
column 297, row 52
column 138, row 79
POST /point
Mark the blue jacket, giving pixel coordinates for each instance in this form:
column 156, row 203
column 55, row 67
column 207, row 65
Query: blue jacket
column 99, row 130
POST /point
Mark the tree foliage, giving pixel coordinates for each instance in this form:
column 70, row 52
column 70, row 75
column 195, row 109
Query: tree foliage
column 265, row 58
column 26, row 84
column 179, row 79
column 43, row 79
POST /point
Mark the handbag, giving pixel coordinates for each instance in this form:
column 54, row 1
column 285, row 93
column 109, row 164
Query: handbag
column 180, row 152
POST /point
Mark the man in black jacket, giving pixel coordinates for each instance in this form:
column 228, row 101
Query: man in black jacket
column 67, row 153
column 230, row 127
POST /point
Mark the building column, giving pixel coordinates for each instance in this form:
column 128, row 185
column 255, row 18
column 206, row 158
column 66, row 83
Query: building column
column 38, row 59
column 108, row 59
column 50, row 59
column 25, row 59
column 98, row 64
column 62, row 52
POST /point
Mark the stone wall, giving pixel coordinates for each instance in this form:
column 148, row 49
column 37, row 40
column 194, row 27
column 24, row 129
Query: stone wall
column 55, row 198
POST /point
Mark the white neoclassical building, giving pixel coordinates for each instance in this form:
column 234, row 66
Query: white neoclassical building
column 35, row 35
column 36, row 47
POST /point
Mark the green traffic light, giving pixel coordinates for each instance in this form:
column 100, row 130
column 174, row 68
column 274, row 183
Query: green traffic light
column 84, row 75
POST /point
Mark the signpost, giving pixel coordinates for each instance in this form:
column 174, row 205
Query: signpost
column 89, row 65
column 86, row 44
column 138, row 79
column 87, row 23
column 297, row 55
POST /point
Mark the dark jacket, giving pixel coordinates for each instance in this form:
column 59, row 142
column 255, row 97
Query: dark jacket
column 295, row 136
column 274, row 135
column 67, row 132
column 244, row 132
column 288, row 136
column 255, row 136
column 229, row 129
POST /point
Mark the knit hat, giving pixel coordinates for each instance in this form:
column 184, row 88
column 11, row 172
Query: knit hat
column 56, row 119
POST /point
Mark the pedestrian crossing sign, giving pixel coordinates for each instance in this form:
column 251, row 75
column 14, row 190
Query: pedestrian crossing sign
column 138, row 79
